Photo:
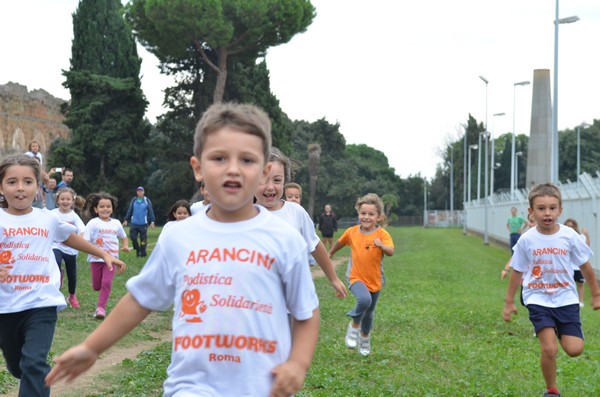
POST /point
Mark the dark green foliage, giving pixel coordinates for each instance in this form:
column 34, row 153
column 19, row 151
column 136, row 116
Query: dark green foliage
column 106, row 112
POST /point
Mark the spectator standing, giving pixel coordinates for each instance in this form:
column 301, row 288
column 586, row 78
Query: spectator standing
column 33, row 150
column 515, row 225
column 67, row 178
column 327, row 226
column 50, row 190
column 139, row 214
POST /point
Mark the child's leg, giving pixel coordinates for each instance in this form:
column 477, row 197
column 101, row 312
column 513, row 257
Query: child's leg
column 71, row 266
column 106, row 287
column 549, row 350
column 363, row 302
column 96, row 268
column 367, row 321
column 572, row 345
column 58, row 255
column 26, row 351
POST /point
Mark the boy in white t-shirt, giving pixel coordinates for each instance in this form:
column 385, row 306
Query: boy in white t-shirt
column 232, row 273
column 543, row 262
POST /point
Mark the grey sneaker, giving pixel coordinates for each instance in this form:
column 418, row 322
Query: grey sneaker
column 364, row 345
column 551, row 394
column 351, row 336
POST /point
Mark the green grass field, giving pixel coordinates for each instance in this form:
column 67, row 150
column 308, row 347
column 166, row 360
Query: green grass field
column 438, row 331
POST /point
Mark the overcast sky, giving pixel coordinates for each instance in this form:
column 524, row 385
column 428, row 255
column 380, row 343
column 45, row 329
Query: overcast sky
column 399, row 76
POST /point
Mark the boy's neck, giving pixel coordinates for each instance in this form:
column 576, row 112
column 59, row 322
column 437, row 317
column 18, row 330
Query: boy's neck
column 245, row 213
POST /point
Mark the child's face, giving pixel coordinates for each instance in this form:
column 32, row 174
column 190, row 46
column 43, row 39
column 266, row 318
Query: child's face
column 232, row 165
column 65, row 202
column 19, row 187
column 269, row 193
column 293, row 194
column 104, row 209
column 368, row 217
column 545, row 211
column 181, row 213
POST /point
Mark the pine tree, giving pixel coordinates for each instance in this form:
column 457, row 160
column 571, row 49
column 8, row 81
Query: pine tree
column 107, row 107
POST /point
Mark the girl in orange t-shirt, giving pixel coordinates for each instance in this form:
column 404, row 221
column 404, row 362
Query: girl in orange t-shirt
column 368, row 243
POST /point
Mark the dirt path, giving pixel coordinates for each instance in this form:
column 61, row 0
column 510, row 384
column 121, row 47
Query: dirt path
column 90, row 382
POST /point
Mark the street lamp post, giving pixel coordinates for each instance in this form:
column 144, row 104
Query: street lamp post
column 512, row 146
column 470, row 147
column 518, row 154
column 452, row 182
column 485, row 169
column 554, row 157
column 465, row 183
column 493, row 157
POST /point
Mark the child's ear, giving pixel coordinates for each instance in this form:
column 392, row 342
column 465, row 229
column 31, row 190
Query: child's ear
column 196, row 167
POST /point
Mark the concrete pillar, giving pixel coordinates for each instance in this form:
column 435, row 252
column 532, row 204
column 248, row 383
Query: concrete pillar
column 539, row 151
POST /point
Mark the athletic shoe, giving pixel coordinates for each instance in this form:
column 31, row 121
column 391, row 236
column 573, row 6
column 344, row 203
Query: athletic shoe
column 551, row 393
column 581, row 304
column 100, row 313
column 351, row 336
column 73, row 302
column 364, row 345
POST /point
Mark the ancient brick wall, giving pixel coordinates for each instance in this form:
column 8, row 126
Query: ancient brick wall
column 27, row 115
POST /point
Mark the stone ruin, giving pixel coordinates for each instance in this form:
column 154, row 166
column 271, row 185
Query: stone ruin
column 29, row 115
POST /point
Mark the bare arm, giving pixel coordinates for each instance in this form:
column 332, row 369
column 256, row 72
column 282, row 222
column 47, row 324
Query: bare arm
column 126, row 316
column 506, row 269
column 590, row 279
column 322, row 258
column 509, row 301
column 387, row 249
column 79, row 243
column 289, row 376
column 336, row 247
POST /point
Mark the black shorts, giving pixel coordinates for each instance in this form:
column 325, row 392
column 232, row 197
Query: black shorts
column 565, row 320
column 578, row 276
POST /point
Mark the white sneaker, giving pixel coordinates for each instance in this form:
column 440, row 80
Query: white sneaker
column 351, row 336
column 364, row 345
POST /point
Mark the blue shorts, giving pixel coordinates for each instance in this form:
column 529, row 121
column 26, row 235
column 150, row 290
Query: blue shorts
column 565, row 320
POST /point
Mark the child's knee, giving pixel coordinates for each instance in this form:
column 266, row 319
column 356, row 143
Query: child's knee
column 572, row 345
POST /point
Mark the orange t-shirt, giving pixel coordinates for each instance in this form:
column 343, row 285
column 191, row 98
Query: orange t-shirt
column 366, row 260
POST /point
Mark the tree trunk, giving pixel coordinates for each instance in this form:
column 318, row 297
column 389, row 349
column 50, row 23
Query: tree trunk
column 221, row 77
column 314, row 160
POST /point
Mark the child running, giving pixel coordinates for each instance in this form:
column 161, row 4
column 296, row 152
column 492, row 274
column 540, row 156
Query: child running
column 368, row 243
column 65, row 198
column 293, row 192
column 29, row 276
column 200, row 205
column 579, row 279
column 178, row 211
column 269, row 194
column 104, row 232
column 232, row 272
column 543, row 262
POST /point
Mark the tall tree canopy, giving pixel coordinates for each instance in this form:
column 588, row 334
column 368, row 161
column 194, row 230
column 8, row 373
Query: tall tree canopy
column 168, row 28
column 106, row 112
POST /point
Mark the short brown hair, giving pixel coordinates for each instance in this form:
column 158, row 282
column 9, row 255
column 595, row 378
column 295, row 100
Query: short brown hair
column 244, row 117
column 292, row 185
column 370, row 198
column 545, row 189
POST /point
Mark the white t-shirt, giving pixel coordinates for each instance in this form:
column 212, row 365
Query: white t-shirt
column 26, row 244
column 73, row 219
column 547, row 263
column 296, row 215
column 197, row 207
column 105, row 235
column 231, row 285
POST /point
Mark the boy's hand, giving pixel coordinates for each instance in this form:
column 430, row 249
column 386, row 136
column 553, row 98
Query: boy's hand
column 377, row 242
column 509, row 310
column 596, row 302
column 289, row 378
column 71, row 364
column 340, row 289
column 125, row 248
column 111, row 262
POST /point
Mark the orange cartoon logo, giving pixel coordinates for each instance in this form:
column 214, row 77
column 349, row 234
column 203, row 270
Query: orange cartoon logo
column 99, row 241
column 6, row 258
column 191, row 305
column 537, row 272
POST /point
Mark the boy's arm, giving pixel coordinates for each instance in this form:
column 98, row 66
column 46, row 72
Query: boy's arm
column 506, row 269
column 80, row 244
column 388, row 250
column 124, row 317
column 509, row 301
column 289, row 376
column 590, row 279
column 322, row 258
column 125, row 242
